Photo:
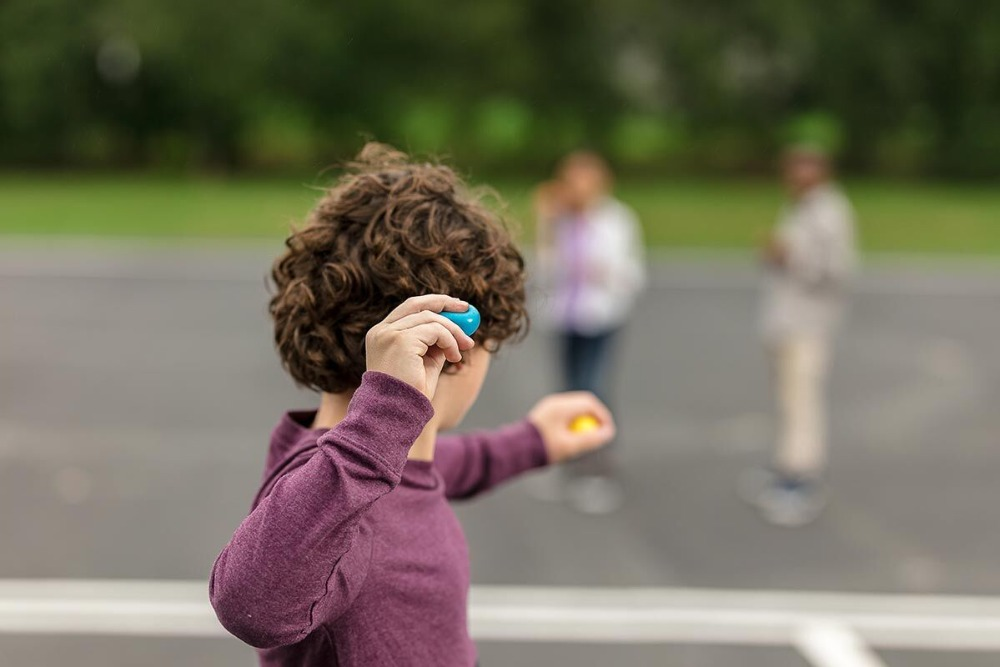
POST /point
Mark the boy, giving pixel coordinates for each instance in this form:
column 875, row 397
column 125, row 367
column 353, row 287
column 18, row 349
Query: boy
column 810, row 259
column 351, row 555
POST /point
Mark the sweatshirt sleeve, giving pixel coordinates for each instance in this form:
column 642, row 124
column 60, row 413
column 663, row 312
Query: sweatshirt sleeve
column 471, row 463
column 298, row 559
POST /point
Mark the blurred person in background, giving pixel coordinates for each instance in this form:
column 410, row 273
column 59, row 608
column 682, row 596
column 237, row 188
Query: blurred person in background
column 809, row 259
column 590, row 256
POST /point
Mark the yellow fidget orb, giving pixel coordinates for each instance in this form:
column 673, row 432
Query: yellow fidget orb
column 584, row 423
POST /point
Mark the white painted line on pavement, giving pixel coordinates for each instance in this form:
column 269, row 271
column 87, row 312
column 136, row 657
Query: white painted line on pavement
column 657, row 615
column 544, row 614
column 826, row 644
column 107, row 607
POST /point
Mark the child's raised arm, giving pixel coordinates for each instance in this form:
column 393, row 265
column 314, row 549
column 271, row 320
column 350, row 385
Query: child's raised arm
column 300, row 558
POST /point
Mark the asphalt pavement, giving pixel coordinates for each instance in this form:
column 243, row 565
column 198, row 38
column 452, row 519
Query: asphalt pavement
column 138, row 387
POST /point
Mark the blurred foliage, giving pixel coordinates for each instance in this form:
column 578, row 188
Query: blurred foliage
column 901, row 88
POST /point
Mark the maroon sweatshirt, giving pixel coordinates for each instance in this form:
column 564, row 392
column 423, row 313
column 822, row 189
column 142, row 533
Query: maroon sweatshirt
column 351, row 555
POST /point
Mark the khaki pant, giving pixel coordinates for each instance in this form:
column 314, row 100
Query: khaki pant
column 800, row 370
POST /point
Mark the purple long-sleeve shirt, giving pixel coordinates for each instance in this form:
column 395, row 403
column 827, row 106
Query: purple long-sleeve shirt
column 351, row 555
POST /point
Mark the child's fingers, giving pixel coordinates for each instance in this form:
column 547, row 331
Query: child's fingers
column 599, row 410
column 435, row 334
column 603, row 434
column 432, row 302
column 584, row 402
column 426, row 316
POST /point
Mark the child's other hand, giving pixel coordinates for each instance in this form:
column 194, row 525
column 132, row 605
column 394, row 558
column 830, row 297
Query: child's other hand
column 553, row 415
column 773, row 251
column 547, row 201
column 413, row 342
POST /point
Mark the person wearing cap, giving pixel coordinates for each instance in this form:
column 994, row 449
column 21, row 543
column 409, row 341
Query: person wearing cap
column 808, row 260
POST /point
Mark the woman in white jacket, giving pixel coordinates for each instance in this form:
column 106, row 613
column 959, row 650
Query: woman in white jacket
column 590, row 254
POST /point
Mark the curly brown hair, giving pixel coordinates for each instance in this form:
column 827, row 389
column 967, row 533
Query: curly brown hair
column 389, row 229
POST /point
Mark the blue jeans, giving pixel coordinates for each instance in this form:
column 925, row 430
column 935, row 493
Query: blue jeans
column 585, row 362
column 586, row 366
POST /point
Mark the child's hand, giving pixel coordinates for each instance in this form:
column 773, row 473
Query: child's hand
column 414, row 340
column 553, row 415
column 547, row 201
column 773, row 251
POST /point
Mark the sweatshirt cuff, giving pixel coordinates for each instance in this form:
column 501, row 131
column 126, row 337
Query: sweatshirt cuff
column 384, row 419
column 529, row 443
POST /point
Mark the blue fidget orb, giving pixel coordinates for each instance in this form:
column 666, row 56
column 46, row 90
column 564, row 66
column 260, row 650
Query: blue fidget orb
column 467, row 321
